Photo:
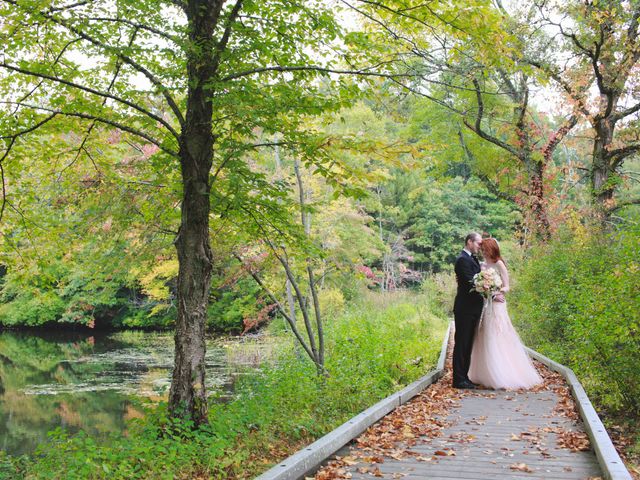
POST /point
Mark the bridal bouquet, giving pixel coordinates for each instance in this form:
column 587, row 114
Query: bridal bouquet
column 487, row 282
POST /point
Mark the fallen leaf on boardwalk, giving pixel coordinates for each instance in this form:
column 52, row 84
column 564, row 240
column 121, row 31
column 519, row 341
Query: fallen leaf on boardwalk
column 521, row 467
column 445, row 453
column 398, row 454
column 332, row 474
column 377, row 459
column 574, row 441
column 568, row 469
column 514, row 437
column 398, row 475
column 462, row 437
column 424, row 459
column 407, row 432
column 376, row 472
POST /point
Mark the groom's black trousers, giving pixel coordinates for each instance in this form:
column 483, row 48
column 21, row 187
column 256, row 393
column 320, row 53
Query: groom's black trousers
column 466, row 323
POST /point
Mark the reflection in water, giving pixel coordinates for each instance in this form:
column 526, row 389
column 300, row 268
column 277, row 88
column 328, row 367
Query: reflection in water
column 91, row 383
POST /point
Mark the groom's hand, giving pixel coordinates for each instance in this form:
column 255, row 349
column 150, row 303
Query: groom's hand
column 499, row 297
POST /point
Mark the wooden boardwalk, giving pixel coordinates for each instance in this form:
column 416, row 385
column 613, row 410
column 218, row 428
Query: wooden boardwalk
column 484, row 434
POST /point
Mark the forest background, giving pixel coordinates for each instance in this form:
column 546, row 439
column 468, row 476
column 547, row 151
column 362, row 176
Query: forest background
column 352, row 147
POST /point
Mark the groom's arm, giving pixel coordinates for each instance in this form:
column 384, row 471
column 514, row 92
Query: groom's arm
column 465, row 271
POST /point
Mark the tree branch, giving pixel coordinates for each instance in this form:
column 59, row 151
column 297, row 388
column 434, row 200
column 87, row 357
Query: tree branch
column 578, row 97
column 558, row 136
column 624, row 203
column 490, row 184
column 311, row 68
column 624, row 113
column 29, row 129
column 273, row 298
column 224, row 40
column 4, row 185
column 93, row 91
column 477, row 127
column 82, row 148
column 617, row 155
column 106, row 121
column 125, row 58
column 139, row 26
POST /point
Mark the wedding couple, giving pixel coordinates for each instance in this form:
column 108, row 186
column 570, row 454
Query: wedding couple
column 487, row 352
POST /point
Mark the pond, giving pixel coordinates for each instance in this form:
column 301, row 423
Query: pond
column 96, row 382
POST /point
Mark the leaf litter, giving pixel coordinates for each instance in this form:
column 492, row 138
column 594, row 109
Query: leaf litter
column 422, row 419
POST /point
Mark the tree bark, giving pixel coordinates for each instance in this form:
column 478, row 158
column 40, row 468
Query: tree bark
column 188, row 396
column 537, row 199
column 602, row 189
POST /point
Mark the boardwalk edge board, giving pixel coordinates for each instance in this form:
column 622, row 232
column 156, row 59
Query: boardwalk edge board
column 610, row 462
column 311, row 457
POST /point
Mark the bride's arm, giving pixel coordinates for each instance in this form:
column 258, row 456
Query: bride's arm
column 505, row 276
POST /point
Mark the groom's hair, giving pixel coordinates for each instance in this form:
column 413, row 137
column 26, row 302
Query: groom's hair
column 472, row 236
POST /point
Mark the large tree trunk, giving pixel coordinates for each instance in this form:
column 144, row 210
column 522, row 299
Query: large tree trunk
column 601, row 187
column 188, row 396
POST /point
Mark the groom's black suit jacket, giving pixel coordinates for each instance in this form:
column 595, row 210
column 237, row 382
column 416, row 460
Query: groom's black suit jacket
column 467, row 301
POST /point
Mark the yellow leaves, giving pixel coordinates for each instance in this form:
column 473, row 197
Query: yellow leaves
column 154, row 283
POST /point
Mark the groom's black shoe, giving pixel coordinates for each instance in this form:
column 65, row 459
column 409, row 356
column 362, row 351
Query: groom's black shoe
column 465, row 384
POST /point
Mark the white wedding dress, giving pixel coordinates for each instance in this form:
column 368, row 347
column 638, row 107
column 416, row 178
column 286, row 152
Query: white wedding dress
column 498, row 358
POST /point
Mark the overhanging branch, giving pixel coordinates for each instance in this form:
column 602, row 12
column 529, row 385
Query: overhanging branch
column 477, row 127
column 93, row 91
column 110, row 50
column 106, row 121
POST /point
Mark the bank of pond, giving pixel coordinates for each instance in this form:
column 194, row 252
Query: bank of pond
column 74, row 405
column 96, row 382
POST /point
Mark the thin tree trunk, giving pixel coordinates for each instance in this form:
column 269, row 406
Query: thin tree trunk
column 291, row 301
column 306, row 222
column 537, row 199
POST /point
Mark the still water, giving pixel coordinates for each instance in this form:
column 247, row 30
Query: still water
column 93, row 382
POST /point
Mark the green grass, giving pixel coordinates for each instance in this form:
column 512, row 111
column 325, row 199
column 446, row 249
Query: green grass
column 374, row 348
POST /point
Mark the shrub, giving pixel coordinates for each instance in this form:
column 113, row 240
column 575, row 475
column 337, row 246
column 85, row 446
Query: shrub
column 577, row 301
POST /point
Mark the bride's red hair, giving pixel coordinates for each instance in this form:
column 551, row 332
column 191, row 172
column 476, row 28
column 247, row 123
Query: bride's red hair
column 491, row 249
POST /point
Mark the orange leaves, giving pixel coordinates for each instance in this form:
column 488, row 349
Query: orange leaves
column 393, row 436
column 574, row 441
column 445, row 453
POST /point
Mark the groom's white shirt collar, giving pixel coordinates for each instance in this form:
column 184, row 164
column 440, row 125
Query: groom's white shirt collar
column 467, row 252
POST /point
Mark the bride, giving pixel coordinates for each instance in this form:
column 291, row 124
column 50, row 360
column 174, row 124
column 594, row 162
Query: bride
column 498, row 359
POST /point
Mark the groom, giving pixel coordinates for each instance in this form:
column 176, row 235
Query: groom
column 466, row 310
